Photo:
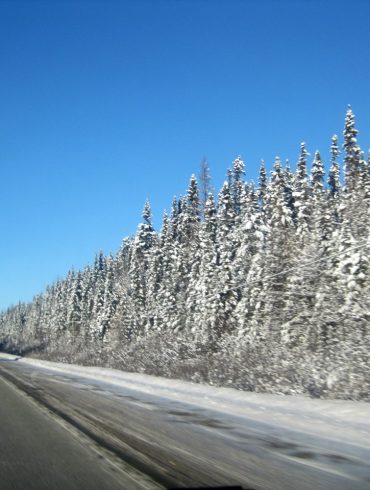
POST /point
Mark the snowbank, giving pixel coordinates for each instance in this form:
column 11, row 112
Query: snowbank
column 338, row 419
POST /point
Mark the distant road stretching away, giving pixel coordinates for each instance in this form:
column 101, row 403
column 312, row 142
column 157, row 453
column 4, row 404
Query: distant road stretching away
column 66, row 431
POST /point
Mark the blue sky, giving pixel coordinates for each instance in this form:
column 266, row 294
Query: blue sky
column 103, row 104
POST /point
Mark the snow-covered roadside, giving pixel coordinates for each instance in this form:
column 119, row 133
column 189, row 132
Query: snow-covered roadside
column 339, row 420
column 9, row 357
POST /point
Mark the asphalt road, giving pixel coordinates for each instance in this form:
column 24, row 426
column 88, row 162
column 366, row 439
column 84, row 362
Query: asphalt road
column 37, row 452
column 146, row 439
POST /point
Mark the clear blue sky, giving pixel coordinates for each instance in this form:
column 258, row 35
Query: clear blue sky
column 103, row 104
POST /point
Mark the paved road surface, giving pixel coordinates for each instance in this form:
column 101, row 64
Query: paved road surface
column 172, row 443
column 36, row 452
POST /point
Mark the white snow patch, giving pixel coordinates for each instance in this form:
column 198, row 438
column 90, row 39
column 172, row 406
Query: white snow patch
column 9, row 357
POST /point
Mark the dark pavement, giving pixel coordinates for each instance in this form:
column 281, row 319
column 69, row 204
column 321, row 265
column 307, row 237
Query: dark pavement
column 37, row 452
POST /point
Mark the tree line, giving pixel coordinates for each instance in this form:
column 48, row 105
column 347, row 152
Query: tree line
column 265, row 288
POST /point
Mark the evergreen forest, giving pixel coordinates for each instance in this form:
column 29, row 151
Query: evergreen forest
column 264, row 287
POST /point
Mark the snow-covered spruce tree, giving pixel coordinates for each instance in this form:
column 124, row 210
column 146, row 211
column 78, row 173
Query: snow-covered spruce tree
column 236, row 183
column 165, row 302
column 354, row 204
column 352, row 153
column 185, row 256
column 307, row 251
column 289, row 182
column 97, row 304
column 277, row 256
column 334, row 183
column 301, row 195
column 74, row 308
column 334, row 171
column 110, row 302
column 139, row 265
column 204, row 286
column 252, row 232
column 262, row 183
column 124, row 317
column 226, row 292
column 161, row 281
column 205, row 187
column 320, row 251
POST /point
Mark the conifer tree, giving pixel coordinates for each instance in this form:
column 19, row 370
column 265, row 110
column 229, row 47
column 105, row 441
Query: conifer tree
column 204, row 184
column 301, row 213
column 262, row 181
column 334, row 172
column 352, row 152
column 236, row 183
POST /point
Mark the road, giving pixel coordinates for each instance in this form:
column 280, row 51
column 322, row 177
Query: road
column 66, row 429
column 37, row 452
